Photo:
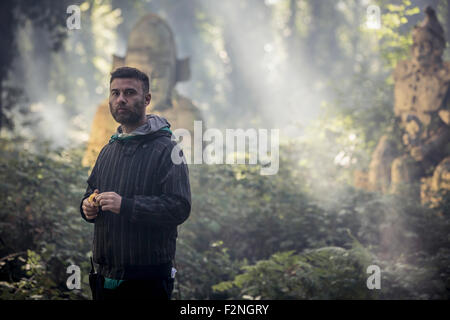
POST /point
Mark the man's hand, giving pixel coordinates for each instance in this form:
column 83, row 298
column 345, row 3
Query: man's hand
column 109, row 201
column 89, row 210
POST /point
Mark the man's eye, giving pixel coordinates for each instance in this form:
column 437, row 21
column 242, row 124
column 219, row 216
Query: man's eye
column 129, row 92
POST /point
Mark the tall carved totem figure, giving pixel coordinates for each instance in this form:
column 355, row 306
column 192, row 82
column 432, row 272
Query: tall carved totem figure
column 422, row 105
column 151, row 49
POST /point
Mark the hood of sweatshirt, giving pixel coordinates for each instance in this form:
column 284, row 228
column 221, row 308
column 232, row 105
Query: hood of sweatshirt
column 154, row 124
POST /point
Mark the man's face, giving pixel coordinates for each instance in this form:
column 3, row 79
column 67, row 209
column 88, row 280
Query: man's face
column 127, row 100
column 161, row 74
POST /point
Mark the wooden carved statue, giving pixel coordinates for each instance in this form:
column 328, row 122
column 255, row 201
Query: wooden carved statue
column 422, row 105
column 151, row 49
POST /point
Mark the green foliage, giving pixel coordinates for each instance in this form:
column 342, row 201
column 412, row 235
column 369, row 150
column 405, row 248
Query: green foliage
column 325, row 273
column 362, row 107
column 39, row 281
column 200, row 269
column 249, row 236
column 395, row 43
column 240, row 217
column 235, row 242
column 257, row 215
column 40, row 217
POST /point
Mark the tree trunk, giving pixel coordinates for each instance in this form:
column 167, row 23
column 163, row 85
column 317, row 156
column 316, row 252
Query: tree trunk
column 7, row 24
column 313, row 33
column 292, row 39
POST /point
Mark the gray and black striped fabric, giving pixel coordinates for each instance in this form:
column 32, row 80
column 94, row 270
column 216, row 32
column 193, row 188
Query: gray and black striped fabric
column 156, row 198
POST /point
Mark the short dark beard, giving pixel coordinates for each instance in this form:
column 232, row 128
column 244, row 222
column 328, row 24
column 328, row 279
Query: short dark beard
column 132, row 117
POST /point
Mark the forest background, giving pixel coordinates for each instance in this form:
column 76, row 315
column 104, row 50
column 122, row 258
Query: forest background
column 313, row 69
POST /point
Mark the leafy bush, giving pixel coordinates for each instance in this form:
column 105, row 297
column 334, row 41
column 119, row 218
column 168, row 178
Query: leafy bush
column 230, row 208
column 325, row 273
column 39, row 214
column 248, row 236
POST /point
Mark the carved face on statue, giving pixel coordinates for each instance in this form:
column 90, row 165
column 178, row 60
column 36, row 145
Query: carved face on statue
column 151, row 48
column 423, row 53
column 428, row 40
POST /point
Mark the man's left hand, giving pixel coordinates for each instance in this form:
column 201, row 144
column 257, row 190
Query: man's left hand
column 109, row 201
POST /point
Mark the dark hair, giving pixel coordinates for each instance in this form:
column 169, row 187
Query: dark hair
column 128, row 72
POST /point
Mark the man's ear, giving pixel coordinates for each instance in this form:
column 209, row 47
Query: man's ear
column 148, row 98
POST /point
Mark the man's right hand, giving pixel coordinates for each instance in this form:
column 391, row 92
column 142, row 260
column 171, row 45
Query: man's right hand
column 89, row 210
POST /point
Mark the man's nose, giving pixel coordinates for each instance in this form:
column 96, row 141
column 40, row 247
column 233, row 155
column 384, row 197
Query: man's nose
column 121, row 98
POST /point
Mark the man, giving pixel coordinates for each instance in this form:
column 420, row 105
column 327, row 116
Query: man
column 142, row 196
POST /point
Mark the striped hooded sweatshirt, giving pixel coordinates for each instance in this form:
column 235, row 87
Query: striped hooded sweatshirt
column 155, row 195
